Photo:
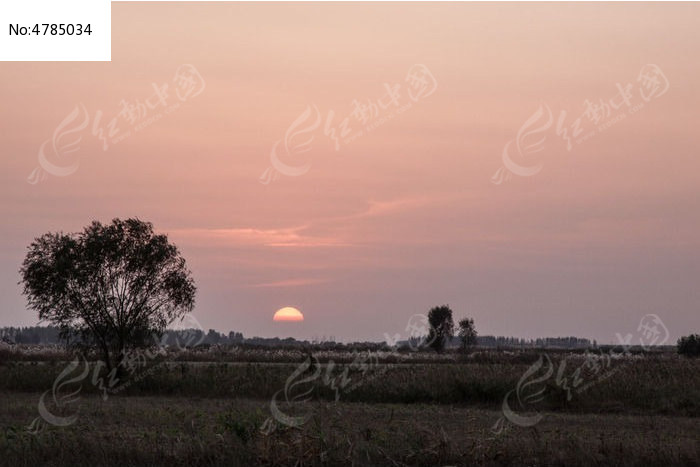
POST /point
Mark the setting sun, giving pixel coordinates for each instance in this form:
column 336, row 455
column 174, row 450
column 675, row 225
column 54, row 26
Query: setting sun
column 288, row 313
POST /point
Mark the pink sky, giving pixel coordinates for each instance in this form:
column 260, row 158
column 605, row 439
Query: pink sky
column 405, row 216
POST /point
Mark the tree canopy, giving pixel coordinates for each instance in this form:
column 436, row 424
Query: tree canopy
column 441, row 327
column 467, row 333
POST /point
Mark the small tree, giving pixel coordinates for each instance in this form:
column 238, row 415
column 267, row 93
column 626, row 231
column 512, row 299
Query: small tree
column 441, row 327
column 111, row 287
column 689, row 345
column 467, row 333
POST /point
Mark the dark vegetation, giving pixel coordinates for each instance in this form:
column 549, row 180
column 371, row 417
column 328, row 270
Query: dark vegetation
column 689, row 345
column 659, row 383
column 50, row 335
column 441, row 327
column 437, row 409
column 145, row 431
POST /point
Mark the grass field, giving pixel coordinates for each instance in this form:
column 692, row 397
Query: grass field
column 406, row 412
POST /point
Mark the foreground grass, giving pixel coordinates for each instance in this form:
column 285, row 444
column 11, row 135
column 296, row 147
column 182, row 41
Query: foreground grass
column 184, row 431
column 381, row 411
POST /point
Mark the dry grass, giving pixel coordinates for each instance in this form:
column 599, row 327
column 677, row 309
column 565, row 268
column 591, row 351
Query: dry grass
column 182, row 431
column 414, row 413
column 667, row 384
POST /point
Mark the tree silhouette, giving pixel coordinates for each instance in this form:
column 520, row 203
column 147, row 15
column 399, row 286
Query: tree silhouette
column 689, row 345
column 110, row 287
column 441, row 327
column 467, row 333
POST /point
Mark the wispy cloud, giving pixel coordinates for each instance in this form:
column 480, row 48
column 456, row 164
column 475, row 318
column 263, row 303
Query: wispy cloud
column 300, row 236
column 280, row 237
column 381, row 208
column 291, row 283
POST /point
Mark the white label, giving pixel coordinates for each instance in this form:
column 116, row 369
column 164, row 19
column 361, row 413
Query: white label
column 55, row 30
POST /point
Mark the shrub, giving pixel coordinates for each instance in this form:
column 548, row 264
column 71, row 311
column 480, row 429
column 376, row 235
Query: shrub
column 689, row 345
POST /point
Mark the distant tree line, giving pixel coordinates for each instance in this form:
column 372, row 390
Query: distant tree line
column 441, row 335
column 50, row 335
column 30, row 335
column 212, row 337
column 559, row 342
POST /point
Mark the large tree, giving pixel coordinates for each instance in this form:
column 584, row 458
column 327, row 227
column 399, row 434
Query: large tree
column 110, row 287
column 441, row 327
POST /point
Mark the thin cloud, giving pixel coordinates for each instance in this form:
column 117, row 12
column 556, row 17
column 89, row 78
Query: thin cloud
column 282, row 237
column 291, row 283
column 300, row 236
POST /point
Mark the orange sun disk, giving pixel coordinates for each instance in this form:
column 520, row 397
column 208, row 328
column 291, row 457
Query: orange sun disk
column 288, row 313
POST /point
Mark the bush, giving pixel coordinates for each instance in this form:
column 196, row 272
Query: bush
column 689, row 345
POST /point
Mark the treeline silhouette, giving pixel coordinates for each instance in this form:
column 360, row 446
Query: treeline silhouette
column 49, row 335
column 30, row 335
column 570, row 342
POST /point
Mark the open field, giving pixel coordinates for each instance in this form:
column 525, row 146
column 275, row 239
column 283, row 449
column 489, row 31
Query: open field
column 419, row 409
